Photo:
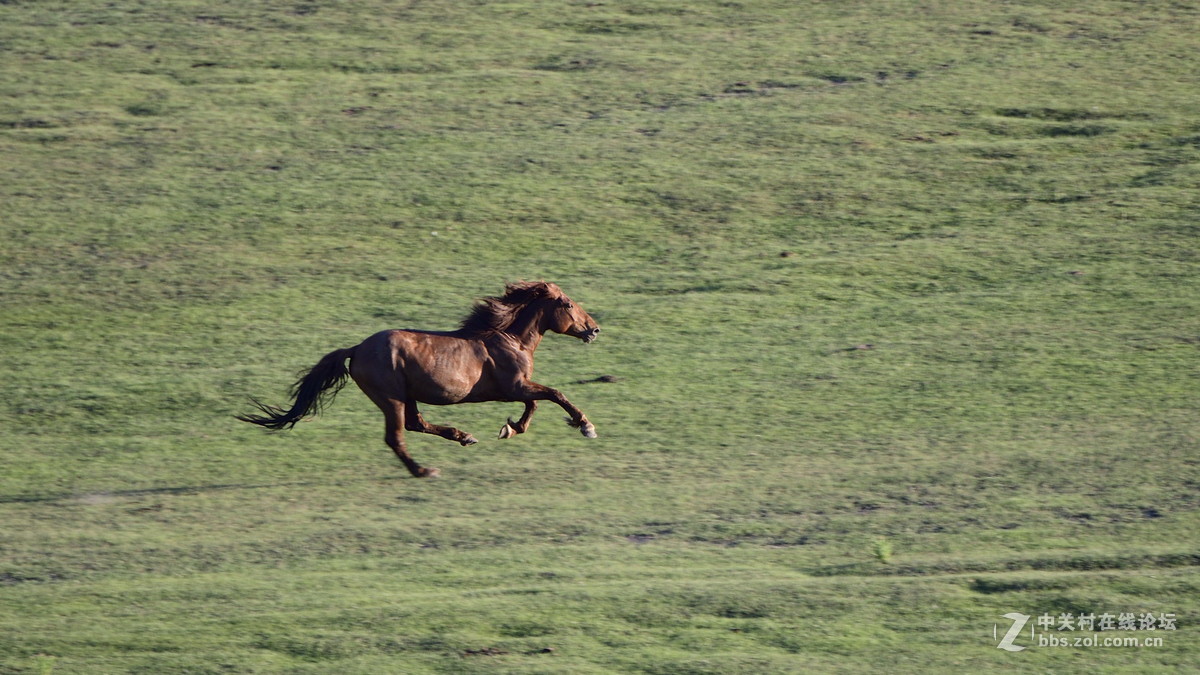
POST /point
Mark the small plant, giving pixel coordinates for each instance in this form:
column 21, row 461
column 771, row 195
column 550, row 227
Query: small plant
column 883, row 551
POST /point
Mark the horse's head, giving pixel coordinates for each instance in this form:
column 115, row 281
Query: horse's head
column 568, row 318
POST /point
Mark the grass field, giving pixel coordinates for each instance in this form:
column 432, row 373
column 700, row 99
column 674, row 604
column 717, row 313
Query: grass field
column 900, row 300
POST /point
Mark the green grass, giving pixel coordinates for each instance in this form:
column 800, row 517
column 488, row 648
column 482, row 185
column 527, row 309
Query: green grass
column 900, row 298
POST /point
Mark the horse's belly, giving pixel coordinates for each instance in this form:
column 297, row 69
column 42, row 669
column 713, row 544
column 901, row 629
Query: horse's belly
column 440, row 393
column 447, row 376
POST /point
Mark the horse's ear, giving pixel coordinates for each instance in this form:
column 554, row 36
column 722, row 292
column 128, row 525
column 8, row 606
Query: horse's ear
column 531, row 290
column 549, row 290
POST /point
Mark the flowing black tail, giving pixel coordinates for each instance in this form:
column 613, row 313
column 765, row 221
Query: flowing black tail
column 312, row 392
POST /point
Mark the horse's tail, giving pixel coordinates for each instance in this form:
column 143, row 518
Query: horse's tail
column 313, row 391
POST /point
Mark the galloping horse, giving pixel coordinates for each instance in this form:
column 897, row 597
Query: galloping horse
column 489, row 358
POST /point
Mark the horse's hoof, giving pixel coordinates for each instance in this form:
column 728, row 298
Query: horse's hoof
column 507, row 432
column 585, row 427
column 429, row 472
column 469, row 440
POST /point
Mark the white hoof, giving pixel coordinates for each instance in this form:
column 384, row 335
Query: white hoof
column 507, row 432
column 585, row 427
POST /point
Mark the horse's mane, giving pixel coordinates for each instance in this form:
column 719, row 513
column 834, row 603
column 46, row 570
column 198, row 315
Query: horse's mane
column 497, row 313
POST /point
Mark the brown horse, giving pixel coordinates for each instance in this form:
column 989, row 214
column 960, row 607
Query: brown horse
column 489, row 358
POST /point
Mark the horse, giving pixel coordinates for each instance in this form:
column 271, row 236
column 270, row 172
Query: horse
column 489, row 358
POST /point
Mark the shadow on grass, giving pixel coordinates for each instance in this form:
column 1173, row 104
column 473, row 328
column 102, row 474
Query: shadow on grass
column 1074, row 563
column 100, row 495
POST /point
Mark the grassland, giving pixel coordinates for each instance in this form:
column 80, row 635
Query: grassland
column 900, row 298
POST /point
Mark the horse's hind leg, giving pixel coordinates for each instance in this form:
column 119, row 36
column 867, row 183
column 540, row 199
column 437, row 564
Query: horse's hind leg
column 393, row 413
column 414, row 422
column 385, row 392
column 512, row 428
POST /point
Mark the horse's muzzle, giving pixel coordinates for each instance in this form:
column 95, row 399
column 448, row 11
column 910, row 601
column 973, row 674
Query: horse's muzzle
column 590, row 336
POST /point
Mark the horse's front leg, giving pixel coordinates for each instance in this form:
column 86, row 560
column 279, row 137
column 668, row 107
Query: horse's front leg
column 532, row 391
column 512, row 428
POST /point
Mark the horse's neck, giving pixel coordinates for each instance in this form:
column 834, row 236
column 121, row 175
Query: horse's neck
column 527, row 329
